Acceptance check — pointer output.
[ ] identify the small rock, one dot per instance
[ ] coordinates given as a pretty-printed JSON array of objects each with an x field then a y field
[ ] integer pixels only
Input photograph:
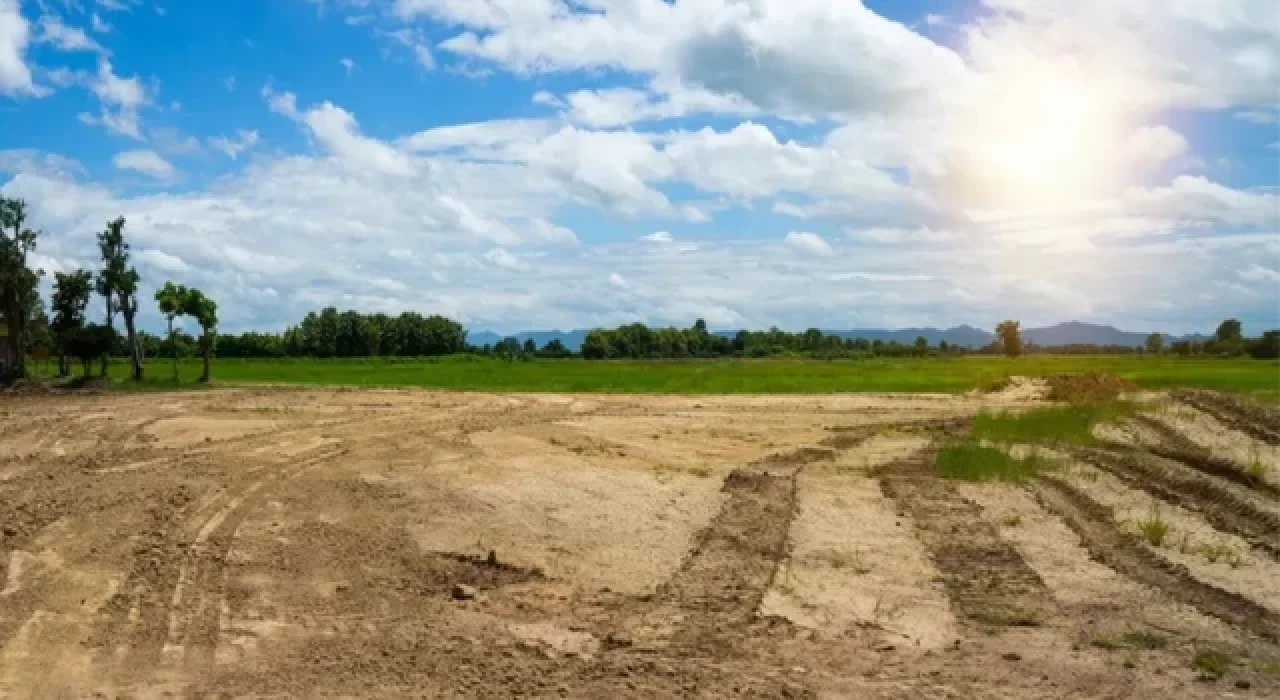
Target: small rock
[
  {"x": 10, "y": 531},
  {"x": 1242, "y": 684},
  {"x": 884, "y": 647},
  {"x": 1129, "y": 664},
  {"x": 492, "y": 559},
  {"x": 462, "y": 591},
  {"x": 1012, "y": 656}
]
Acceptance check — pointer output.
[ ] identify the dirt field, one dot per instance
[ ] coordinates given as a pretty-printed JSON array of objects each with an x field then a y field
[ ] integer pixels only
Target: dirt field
[{"x": 291, "y": 543}]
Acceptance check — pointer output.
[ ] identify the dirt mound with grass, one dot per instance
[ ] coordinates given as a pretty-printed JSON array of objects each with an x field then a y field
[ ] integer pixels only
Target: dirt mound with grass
[{"x": 1089, "y": 387}]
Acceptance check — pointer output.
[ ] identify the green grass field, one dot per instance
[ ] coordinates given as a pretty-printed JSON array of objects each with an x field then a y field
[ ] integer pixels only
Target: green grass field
[{"x": 1260, "y": 378}]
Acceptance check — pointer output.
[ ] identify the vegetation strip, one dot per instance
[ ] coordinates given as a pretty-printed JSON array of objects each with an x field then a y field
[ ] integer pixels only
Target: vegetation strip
[
  {"x": 1124, "y": 553},
  {"x": 1175, "y": 483},
  {"x": 985, "y": 576}
]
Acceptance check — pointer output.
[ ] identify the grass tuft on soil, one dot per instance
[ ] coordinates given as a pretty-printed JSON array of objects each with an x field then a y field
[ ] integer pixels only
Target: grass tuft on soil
[
  {"x": 1056, "y": 424},
  {"x": 1211, "y": 665},
  {"x": 972, "y": 462}
]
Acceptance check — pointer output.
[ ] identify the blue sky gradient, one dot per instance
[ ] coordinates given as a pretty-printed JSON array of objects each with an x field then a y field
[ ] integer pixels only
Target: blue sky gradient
[{"x": 526, "y": 164}]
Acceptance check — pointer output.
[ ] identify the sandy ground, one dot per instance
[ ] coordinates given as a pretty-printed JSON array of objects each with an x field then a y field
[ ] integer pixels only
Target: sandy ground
[{"x": 328, "y": 543}]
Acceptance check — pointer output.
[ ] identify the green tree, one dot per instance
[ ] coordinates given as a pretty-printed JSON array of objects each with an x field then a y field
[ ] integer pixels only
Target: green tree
[
  {"x": 1009, "y": 336},
  {"x": 555, "y": 348},
  {"x": 1229, "y": 331},
  {"x": 1266, "y": 347},
  {"x": 89, "y": 343},
  {"x": 18, "y": 283},
  {"x": 172, "y": 300},
  {"x": 118, "y": 279},
  {"x": 1155, "y": 343},
  {"x": 205, "y": 311},
  {"x": 530, "y": 347},
  {"x": 922, "y": 345},
  {"x": 71, "y": 292}
]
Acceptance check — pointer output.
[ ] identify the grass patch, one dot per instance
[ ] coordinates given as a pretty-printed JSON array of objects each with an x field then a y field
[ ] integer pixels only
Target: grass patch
[
  {"x": 1211, "y": 665},
  {"x": 1055, "y": 424},
  {"x": 1133, "y": 639},
  {"x": 971, "y": 462}
]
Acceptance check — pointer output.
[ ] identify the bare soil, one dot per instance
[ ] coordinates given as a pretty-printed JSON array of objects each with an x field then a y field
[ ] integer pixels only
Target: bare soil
[{"x": 329, "y": 543}]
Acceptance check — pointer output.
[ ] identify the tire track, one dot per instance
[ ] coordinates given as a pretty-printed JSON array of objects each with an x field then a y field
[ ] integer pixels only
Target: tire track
[
  {"x": 1124, "y": 553},
  {"x": 194, "y": 611},
  {"x": 1254, "y": 420},
  {"x": 985, "y": 577},
  {"x": 1175, "y": 483},
  {"x": 1177, "y": 447}
]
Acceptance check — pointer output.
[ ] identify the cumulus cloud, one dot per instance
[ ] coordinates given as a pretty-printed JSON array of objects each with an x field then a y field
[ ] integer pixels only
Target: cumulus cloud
[
  {"x": 809, "y": 243},
  {"x": 15, "y": 34},
  {"x": 121, "y": 100},
  {"x": 145, "y": 162}
]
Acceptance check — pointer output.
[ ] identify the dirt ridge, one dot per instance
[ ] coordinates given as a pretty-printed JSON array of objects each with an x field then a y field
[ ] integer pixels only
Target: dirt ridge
[{"x": 1124, "y": 553}]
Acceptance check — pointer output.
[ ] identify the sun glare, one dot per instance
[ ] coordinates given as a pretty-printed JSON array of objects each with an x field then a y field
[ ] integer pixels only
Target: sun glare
[{"x": 1040, "y": 141}]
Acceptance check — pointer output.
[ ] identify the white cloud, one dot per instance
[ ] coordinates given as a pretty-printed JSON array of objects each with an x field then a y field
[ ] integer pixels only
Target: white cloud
[
  {"x": 145, "y": 162},
  {"x": 348, "y": 65},
  {"x": 171, "y": 141},
  {"x": 1258, "y": 273},
  {"x": 617, "y": 281},
  {"x": 99, "y": 26},
  {"x": 660, "y": 237},
  {"x": 162, "y": 261},
  {"x": 121, "y": 99},
  {"x": 507, "y": 261},
  {"x": 64, "y": 38},
  {"x": 934, "y": 20},
  {"x": 15, "y": 75},
  {"x": 232, "y": 146},
  {"x": 809, "y": 243}
]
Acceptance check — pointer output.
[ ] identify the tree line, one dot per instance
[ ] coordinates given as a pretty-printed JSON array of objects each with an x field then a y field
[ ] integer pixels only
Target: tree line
[{"x": 65, "y": 329}]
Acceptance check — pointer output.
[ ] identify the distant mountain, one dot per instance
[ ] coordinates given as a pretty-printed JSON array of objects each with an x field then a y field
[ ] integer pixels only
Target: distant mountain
[
  {"x": 1069, "y": 333},
  {"x": 571, "y": 339}
]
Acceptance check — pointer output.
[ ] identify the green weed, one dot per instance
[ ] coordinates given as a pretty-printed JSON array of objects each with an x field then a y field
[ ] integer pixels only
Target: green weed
[
  {"x": 1211, "y": 665},
  {"x": 972, "y": 462},
  {"x": 1133, "y": 639},
  {"x": 1154, "y": 528}
]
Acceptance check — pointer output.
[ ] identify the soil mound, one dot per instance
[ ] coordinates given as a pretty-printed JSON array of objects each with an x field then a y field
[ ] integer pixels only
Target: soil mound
[{"x": 1092, "y": 386}]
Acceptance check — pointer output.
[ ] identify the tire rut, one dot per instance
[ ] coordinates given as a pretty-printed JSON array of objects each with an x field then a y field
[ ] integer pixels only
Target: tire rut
[
  {"x": 1254, "y": 420},
  {"x": 1125, "y": 554},
  {"x": 1175, "y": 483},
  {"x": 1176, "y": 446},
  {"x": 985, "y": 577}
]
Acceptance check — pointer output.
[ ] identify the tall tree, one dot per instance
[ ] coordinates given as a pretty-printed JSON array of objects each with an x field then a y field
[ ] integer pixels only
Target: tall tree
[
  {"x": 1009, "y": 334},
  {"x": 121, "y": 279},
  {"x": 18, "y": 290},
  {"x": 172, "y": 300},
  {"x": 71, "y": 292},
  {"x": 1229, "y": 331},
  {"x": 1155, "y": 343},
  {"x": 205, "y": 311},
  {"x": 104, "y": 290}
]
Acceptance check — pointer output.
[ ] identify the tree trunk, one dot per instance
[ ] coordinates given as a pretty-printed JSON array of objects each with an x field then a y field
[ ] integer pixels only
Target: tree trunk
[
  {"x": 135, "y": 346},
  {"x": 207, "y": 353},
  {"x": 173, "y": 349},
  {"x": 16, "y": 327}
]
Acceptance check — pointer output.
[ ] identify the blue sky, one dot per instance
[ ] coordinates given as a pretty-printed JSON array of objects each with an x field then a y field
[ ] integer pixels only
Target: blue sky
[{"x": 525, "y": 164}]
